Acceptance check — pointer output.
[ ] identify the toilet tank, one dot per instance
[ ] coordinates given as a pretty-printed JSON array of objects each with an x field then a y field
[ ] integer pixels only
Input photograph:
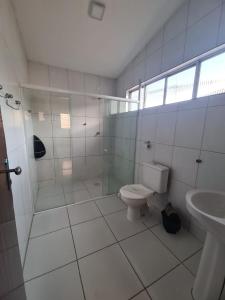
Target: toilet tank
[{"x": 155, "y": 177}]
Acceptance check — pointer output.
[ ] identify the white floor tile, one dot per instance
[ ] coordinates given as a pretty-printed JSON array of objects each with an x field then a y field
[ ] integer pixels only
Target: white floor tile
[
  {"x": 49, "y": 221},
  {"x": 48, "y": 252},
  {"x": 193, "y": 262},
  {"x": 142, "y": 296},
  {"x": 83, "y": 212},
  {"x": 63, "y": 283},
  {"x": 49, "y": 202},
  {"x": 107, "y": 275},
  {"x": 73, "y": 186},
  {"x": 176, "y": 285},
  {"x": 110, "y": 204},
  {"x": 151, "y": 218},
  {"x": 121, "y": 227},
  {"x": 50, "y": 190},
  {"x": 148, "y": 256},
  {"x": 77, "y": 196},
  {"x": 183, "y": 244},
  {"x": 91, "y": 236}
]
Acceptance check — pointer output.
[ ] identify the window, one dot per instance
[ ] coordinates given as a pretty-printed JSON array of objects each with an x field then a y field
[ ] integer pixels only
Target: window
[
  {"x": 133, "y": 95},
  {"x": 154, "y": 93},
  {"x": 212, "y": 76},
  {"x": 180, "y": 86},
  {"x": 113, "y": 107},
  {"x": 203, "y": 77}
]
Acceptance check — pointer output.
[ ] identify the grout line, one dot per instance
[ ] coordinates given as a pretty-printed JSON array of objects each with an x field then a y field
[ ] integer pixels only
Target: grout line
[
  {"x": 28, "y": 241},
  {"x": 122, "y": 250},
  {"x": 76, "y": 255},
  {"x": 50, "y": 271},
  {"x": 53, "y": 231}
]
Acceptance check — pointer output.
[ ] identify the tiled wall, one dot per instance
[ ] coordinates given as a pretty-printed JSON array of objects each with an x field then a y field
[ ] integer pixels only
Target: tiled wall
[
  {"x": 13, "y": 70},
  {"x": 181, "y": 133},
  {"x": 76, "y": 151},
  {"x": 197, "y": 26}
]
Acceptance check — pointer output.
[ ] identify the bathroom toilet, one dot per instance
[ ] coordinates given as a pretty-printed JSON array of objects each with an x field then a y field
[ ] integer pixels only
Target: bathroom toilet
[{"x": 155, "y": 178}]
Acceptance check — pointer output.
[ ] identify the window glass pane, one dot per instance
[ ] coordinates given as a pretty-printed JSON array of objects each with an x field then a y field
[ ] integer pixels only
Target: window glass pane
[
  {"x": 154, "y": 93},
  {"x": 212, "y": 76},
  {"x": 123, "y": 107},
  {"x": 113, "y": 107},
  {"x": 180, "y": 86},
  {"x": 134, "y": 96}
]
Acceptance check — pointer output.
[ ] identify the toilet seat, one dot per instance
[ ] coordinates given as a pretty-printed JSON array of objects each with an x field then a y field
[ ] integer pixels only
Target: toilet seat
[{"x": 135, "y": 192}]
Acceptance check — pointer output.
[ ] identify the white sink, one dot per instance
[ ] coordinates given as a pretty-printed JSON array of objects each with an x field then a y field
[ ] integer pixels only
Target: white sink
[{"x": 208, "y": 207}]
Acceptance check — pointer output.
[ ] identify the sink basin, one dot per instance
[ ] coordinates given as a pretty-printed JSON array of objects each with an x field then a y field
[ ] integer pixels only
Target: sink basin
[{"x": 208, "y": 207}]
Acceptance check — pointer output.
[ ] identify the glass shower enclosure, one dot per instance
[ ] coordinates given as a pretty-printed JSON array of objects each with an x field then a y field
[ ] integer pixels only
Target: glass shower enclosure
[{"x": 89, "y": 142}]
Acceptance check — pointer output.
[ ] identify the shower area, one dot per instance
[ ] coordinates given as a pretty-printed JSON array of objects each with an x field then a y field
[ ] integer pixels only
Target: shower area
[{"x": 89, "y": 142}]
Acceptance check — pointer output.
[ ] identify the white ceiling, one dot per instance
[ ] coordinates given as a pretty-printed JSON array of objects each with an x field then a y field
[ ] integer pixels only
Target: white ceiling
[{"x": 60, "y": 32}]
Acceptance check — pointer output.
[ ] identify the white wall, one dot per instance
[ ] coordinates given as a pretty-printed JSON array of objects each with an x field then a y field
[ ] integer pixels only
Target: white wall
[
  {"x": 181, "y": 133},
  {"x": 197, "y": 26},
  {"x": 13, "y": 70},
  {"x": 77, "y": 147}
]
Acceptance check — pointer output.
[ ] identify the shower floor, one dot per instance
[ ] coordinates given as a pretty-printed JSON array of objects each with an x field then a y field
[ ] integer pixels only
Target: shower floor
[
  {"x": 53, "y": 194},
  {"x": 90, "y": 251}
]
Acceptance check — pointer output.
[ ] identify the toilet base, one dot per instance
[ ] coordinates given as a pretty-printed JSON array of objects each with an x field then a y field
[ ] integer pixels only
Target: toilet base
[{"x": 133, "y": 213}]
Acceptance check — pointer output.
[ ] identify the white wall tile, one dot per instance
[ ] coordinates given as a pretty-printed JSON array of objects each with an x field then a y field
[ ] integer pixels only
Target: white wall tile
[
  {"x": 63, "y": 167},
  {"x": 58, "y": 78},
  {"x": 76, "y": 81},
  {"x": 173, "y": 52},
  {"x": 176, "y": 23},
  {"x": 148, "y": 128},
  {"x": 42, "y": 124},
  {"x": 78, "y": 127},
  {"x": 48, "y": 147},
  {"x": 221, "y": 37},
  {"x": 78, "y": 106},
  {"x": 153, "y": 64},
  {"x": 211, "y": 171},
  {"x": 200, "y": 8},
  {"x": 38, "y": 74},
  {"x": 189, "y": 128},
  {"x": 197, "y": 41},
  {"x": 45, "y": 169},
  {"x": 184, "y": 166},
  {"x": 177, "y": 194},
  {"x": 163, "y": 154},
  {"x": 166, "y": 128},
  {"x": 60, "y": 105},
  {"x": 155, "y": 43},
  {"x": 62, "y": 147},
  {"x": 92, "y": 83},
  {"x": 78, "y": 147},
  {"x": 92, "y": 107},
  {"x": 214, "y": 139},
  {"x": 92, "y": 126},
  {"x": 93, "y": 146},
  {"x": 40, "y": 103},
  {"x": 61, "y": 125}
]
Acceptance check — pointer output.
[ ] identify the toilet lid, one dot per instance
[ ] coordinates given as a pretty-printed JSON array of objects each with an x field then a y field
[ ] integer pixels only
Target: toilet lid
[{"x": 135, "y": 191}]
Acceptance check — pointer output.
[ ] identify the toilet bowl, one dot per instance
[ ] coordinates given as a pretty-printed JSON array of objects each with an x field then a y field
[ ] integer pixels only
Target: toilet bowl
[
  {"x": 155, "y": 178},
  {"x": 135, "y": 196}
]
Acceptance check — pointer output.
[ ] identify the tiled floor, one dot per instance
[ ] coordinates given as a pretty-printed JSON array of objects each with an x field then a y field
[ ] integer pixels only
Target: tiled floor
[
  {"x": 55, "y": 194},
  {"x": 91, "y": 251}
]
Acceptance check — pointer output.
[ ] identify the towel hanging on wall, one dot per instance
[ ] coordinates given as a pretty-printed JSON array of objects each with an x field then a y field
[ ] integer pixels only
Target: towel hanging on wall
[{"x": 39, "y": 148}]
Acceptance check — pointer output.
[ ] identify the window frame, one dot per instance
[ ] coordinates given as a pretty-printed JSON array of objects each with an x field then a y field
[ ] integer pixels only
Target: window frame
[{"x": 195, "y": 62}]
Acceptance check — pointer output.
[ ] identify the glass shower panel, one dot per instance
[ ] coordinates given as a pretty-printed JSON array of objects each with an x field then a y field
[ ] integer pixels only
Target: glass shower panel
[{"x": 90, "y": 148}]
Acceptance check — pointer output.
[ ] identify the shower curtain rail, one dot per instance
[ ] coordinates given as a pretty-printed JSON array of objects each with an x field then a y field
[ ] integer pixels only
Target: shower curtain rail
[{"x": 69, "y": 92}]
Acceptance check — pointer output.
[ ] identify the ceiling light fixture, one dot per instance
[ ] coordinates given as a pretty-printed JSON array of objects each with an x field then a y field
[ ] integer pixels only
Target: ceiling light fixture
[{"x": 96, "y": 10}]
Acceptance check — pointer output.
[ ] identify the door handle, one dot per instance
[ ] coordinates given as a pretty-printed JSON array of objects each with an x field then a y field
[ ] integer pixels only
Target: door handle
[{"x": 17, "y": 171}]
